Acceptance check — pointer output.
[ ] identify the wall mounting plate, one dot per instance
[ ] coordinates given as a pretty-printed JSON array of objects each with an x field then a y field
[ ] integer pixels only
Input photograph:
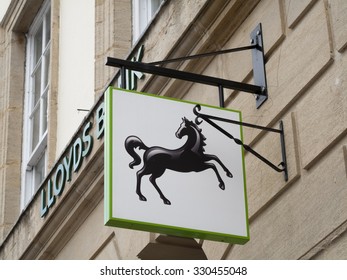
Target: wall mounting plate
[{"x": 258, "y": 59}]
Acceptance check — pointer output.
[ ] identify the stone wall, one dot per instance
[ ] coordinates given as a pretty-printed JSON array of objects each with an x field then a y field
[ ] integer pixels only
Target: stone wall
[
  {"x": 306, "y": 74},
  {"x": 305, "y": 217},
  {"x": 305, "y": 44},
  {"x": 112, "y": 38},
  {"x": 11, "y": 83}
]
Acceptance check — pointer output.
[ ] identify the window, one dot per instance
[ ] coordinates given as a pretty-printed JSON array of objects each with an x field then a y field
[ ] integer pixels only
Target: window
[
  {"x": 35, "y": 104},
  {"x": 143, "y": 12}
]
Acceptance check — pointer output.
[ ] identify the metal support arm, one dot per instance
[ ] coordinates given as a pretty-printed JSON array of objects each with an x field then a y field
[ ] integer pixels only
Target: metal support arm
[
  {"x": 209, "y": 118},
  {"x": 182, "y": 75},
  {"x": 259, "y": 88}
]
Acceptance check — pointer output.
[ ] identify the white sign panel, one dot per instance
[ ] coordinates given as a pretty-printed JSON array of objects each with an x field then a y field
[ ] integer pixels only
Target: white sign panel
[{"x": 165, "y": 173}]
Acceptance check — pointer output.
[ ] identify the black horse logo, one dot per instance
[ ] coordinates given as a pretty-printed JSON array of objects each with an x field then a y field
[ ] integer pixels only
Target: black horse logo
[{"x": 189, "y": 157}]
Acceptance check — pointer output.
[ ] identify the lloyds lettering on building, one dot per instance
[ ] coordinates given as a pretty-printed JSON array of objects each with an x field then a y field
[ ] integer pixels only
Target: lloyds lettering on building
[{"x": 78, "y": 150}]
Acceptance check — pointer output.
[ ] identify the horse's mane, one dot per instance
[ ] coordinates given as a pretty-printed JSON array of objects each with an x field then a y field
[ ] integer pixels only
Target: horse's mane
[{"x": 199, "y": 130}]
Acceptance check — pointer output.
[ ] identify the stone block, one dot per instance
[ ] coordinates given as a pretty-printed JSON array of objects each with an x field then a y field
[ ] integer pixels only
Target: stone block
[
  {"x": 2, "y": 139},
  {"x": 14, "y": 136},
  {"x": 2, "y": 193},
  {"x": 337, "y": 249},
  {"x": 339, "y": 23},
  {"x": 12, "y": 189},
  {"x": 74, "y": 249},
  {"x": 268, "y": 13},
  {"x": 322, "y": 117},
  {"x": 112, "y": 38},
  {"x": 108, "y": 250},
  {"x": 130, "y": 242},
  {"x": 214, "y": 250},
  {"x": 178, "y": 16},
  {"x": 123, "y": 244},
  {"x": 330, "y": 247},
  {"x": 16, "y": 70},
  {"x": 295, "y": 10},
  {"x": 306, "y": 213}
]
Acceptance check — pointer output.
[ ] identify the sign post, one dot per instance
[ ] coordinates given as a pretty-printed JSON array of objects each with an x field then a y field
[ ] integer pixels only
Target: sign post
[{"x": 167, "y": 173}]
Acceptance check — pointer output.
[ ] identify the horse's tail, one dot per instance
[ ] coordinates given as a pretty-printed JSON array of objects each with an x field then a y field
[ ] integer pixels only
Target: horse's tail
[{"x": 131, "y": 143}]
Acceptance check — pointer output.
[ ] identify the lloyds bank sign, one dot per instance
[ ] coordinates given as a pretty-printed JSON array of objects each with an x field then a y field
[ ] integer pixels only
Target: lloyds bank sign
[{"x": 75, "y": 154}]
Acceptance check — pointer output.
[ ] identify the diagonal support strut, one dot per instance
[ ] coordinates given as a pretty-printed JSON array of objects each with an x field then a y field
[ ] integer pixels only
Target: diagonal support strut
[{"x": 209, "y": 118}]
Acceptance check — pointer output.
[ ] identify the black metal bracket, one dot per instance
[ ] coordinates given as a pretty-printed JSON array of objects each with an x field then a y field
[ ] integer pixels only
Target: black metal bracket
[
  {"x": 259, "y": 88},
  {"x": 182, "y": 75},
  {"x": 209, "y": 118},
  {"x": 258, "y": 59}
]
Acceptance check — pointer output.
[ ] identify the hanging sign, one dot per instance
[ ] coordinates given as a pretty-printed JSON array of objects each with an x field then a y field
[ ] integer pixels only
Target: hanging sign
[{"x": 167, "y": 173}]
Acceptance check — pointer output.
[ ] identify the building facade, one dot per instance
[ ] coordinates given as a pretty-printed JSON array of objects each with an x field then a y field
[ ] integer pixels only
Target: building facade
[{"x": 53, "y": 78}]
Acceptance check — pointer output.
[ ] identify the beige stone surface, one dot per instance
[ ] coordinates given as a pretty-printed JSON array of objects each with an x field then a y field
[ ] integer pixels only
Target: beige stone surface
[
  {"x": 293, "y": 67},
  {"x": 339, "y": 23},
  {"x": 11, "y": 82},
  {"x": 331, "y": 246},
  {"x": 295, "y": 10},
  {"x": 85, "y": 240},
  {"x": 112, "y": 38},
  {"x": 178, "y": 16},
  {"x": 322, "y": 113},
  {"x": 238, "y": 66},
  {"x": 214, "y": 250},
  {"x": 108, "y": 252},
  {"x": 337, "y": 250},
  {"x": 301, "y": 216},
  {"x": 103, "y": 242},
  {"x": 54, "y": 89}
]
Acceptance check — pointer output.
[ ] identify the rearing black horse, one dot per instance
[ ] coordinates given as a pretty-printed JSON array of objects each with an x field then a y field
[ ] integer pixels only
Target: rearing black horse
[{"x": 189, "y": 157}]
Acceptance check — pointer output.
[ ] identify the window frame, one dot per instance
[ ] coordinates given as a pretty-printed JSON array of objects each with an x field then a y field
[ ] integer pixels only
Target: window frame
[
  {"x": 36, "y": 104},
  {"x": 143, "y": 12}
]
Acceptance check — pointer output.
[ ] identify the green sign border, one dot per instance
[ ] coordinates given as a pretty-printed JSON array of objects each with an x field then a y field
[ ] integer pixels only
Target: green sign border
[{"x": 151, "y": 227}]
